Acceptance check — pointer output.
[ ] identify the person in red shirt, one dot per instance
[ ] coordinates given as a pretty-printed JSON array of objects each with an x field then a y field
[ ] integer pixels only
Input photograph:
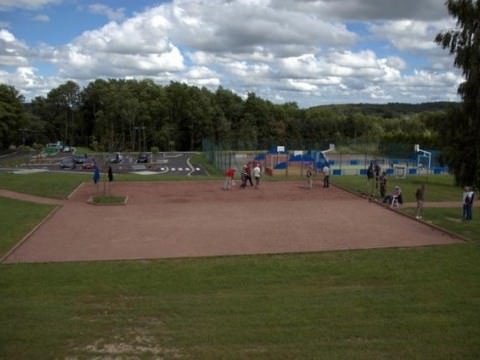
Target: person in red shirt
[{"x": 229, "y": 175}]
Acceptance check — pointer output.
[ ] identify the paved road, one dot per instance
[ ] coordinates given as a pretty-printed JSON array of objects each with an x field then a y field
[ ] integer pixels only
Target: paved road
[{"x": 169, "y": 164}]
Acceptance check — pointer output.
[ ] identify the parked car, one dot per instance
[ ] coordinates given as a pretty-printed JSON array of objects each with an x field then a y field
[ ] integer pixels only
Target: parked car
[
  {"x": 68, "y": 163},
  {"x": 88, "y": 163},
  {"x": 142, "y": 158},
  {"x": 118, "y": 158},
  {"x": 79, "y": 159}
]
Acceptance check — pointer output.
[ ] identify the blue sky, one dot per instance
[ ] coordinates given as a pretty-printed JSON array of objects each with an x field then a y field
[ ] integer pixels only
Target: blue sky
[{"x": 310, "y": 52}]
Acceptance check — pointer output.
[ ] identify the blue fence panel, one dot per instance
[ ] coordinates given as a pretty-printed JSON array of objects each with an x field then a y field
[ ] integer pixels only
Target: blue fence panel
[
  {"x": 412, "y": 171},
  {"x": 439, "y": 170},
  {"x": 337, "y": 172}
]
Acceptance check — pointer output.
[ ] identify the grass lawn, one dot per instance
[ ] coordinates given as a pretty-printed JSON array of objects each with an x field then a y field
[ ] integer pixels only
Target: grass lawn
[
  {"x": 379, "y": 304},
  {"x": 451, "y": 219},
  {"x": 53, "y": 185},
  {"x": 108, "y": 200},
  {"x": 420, "y": 303},
  {"x": 437, "y": 187},
  {"x": 17, "y": 219}
]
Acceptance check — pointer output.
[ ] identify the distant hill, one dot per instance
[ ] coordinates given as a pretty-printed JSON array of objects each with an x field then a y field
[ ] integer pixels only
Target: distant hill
[{"x": 390, "y": 110}]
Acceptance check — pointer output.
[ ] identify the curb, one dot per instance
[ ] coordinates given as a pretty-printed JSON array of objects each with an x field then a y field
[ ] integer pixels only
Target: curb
[
  {"x": 433, "y": 226},
  {"x": 25, "y": 238},
  {"x": 75, "y": 190}
]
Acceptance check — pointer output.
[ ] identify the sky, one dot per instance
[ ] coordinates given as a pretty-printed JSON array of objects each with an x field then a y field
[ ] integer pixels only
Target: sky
[{"x": 311, "y": 52}]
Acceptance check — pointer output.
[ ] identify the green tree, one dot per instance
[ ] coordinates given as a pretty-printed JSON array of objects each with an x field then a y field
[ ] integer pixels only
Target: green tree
[
  {"x": 12, "y": 116},
  {"x": 63, "y": 103},
  {"x": 464, "y": 42}
]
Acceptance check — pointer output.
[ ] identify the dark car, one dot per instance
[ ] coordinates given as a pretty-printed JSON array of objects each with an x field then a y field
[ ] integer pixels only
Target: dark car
[
  {"x": 79, "y": 159},
  {"x": 68, "y": 163},
  {"x": 117, "y": 159},
  {"x": 142, "y": 159}
]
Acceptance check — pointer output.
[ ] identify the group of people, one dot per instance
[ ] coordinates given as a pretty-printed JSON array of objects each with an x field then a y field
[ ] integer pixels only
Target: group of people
[
  {"x": 245, "y": 176},
  {"x": 326, "y": 176},
  {"x": 247, "y": 172},
  {"x": 395, "y": 199},
  {"x": 96, "y": 174}
]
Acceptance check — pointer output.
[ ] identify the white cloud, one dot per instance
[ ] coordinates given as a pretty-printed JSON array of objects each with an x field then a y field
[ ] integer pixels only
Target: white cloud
[
  {"x": 42, "y": 18},
  {"x": 411, "y": 35},
  {"x": 12, "y": 51},
  {"x": 369, "y": 9},
  {"x": 140, "y": 46},
  {"x": 29, "y": 81},
  {"x": 25, "y": 4},
  {"x": 111, "y": 14},
  {"x": 299, "y": 50},
  {"x": 244, "y": 27}
]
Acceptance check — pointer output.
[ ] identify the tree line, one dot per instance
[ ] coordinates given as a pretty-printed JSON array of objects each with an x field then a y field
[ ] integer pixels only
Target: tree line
[{"x": 136, "y": 115}]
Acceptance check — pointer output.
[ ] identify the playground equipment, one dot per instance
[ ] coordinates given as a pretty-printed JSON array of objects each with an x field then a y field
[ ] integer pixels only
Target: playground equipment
[
  {"x": 330, "y": 148},
  {"x": 423, "y": 153}
]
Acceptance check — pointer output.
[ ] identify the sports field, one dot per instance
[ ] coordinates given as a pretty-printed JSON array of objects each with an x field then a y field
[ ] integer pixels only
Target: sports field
[{"x": 196, "y": 219}]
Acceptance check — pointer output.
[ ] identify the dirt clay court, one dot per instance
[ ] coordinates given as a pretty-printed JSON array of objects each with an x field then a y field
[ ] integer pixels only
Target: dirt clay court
[{"x": 191, "y": 218}]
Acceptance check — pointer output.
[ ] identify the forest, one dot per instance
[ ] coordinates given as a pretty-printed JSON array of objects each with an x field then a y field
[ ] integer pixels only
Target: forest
[{"x": 137, "y": 115}]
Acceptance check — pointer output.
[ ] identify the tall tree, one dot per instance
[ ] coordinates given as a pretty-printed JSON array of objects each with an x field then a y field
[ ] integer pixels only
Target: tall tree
[
  {"x": 11, "y": 115},
  {"x": 464, "y": 42},
  {"x": 63, "y": 104}
]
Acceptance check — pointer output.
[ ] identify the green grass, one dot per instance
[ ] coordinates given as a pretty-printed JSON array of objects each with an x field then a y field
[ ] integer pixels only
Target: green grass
[
  {"x": 418, "y": 303},
  {"x": 451, "y": 219},
  {"x": 53, "y": 185},
  {"x": 17, "y": 219},
  {"x": 438, "y": 187},
  {"x": 201, "y": 160},
  {"x": 108, "y": 200},
  {"x": 379, "y": 304}
]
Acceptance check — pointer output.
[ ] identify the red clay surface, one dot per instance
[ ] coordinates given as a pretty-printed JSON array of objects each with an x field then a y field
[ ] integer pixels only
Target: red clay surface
[{"x": 190, "y": 219}]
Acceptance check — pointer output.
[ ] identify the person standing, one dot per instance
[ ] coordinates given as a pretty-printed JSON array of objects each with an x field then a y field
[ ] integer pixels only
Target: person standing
[
  {"x": 377, "y": 171},
  {"x": 309, "y": 175},
  {"x": 326, "y": 176},
  {"x": 468, "y": 197},
  {"x": 243, "y": 177},
  {"x": 96, "y": 176},
  {"x": 256, "y": 174},
  {"x": 420, "y": 197},
  {"x": 248, "y": 171},
  {"x": 110, "y": 174},
  {"x": 229, "y": 174},
  {"x": 370, "y": 176},
  {"x": 383, "y": 185}
]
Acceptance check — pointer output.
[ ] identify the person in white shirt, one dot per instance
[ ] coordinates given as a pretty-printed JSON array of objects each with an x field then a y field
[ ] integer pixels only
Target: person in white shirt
[{"x": 256, "y": 174}]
